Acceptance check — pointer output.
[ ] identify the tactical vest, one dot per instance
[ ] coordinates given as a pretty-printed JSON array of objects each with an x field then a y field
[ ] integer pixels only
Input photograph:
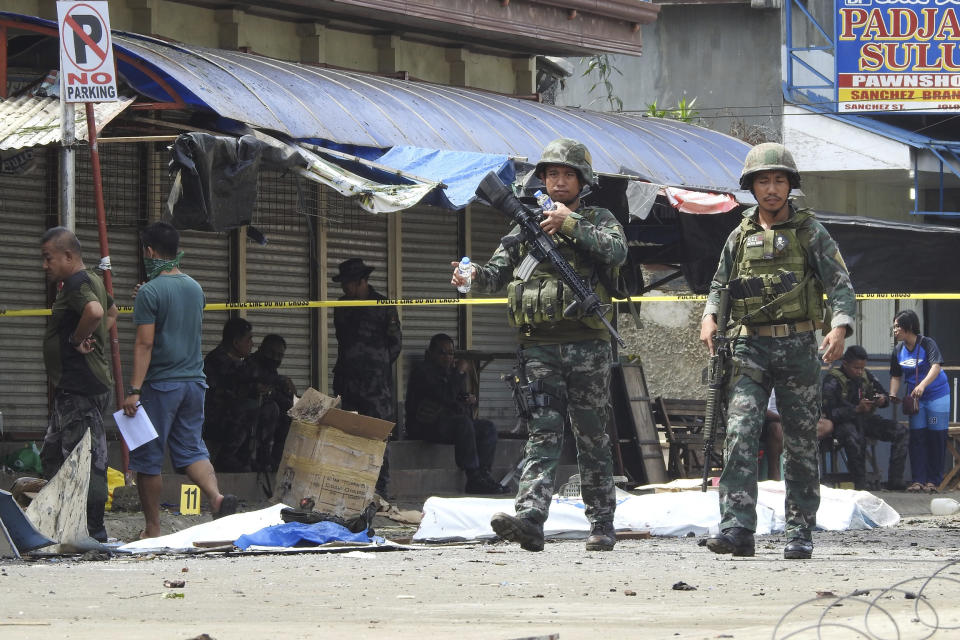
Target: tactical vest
[
  {"x": 844, "y": 381},
  {"x": 543, "y": 297},
  {"x": 773, "y": 262}
]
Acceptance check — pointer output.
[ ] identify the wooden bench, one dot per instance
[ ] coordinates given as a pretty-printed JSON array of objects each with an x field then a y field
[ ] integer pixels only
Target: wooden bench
[
  {"x": 949, "y": 480},
  {"x": 682, "y": 422}
]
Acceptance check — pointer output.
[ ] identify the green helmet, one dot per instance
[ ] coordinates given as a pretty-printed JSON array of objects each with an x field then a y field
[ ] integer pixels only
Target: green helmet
[
  {"x": 769, "y": 156},
  {"x": 569, "y": 153}
]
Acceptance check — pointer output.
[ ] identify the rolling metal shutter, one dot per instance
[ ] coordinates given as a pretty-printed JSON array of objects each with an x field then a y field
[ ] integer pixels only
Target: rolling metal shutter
[
  {"x": 351, "y": 232},
  {"x": 206, "y": 259},
  {"x": 429, "y": 244},
  {"x": 280, "y": 271},
  {"x": 23, "y": 390},
  {"x": 490, "y": 329},
  {"x": 122, "y": 171}
]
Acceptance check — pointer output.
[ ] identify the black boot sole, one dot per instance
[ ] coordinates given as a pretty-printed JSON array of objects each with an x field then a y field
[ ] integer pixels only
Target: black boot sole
[
  {"x": 797, "y": 554},
  {"x": 511, "y": 529},
  {"x": 597, "y": 545}
]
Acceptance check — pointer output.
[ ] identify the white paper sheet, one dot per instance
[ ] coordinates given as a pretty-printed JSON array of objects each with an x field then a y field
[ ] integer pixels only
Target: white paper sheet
[{"x": 137, "y": 430}]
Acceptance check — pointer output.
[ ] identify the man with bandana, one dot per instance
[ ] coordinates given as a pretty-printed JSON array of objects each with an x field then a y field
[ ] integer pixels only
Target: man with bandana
[
  {"x": 75, "y": 353},
  {"x": 168, "y": 380}
]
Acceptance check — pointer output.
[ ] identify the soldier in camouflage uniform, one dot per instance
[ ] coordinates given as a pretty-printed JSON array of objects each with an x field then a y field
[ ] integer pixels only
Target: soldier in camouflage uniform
[
  {"x": 777, "y": 263},
  {"x": 74, "y": 352},
  {"x": 368, "y": 343},
  {"x": 566, "y": 360},
  {"x": 851, "y": 396}
]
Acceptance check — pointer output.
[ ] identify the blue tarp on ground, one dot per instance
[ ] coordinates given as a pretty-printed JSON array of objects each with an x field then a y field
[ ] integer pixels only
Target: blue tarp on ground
[
  {"x": 461, "y": 171},
  {"x": 292, "y": 534}
]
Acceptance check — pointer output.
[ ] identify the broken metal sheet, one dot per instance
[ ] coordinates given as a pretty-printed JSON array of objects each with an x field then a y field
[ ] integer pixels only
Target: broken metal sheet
[{"x": 28, "y": 121}]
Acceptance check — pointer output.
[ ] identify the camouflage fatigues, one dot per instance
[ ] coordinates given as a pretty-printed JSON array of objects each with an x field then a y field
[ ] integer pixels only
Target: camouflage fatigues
[
  {"x": 368, "y": 343},
  {"x": 83, "y": 383},
  {"x": 790, "y": 365},
  {"x": 71, "y": 415},
  {"x": 570, "y": 362},
  {"x": 841, "y": 395},
  {"x": 230, "y": 421}
]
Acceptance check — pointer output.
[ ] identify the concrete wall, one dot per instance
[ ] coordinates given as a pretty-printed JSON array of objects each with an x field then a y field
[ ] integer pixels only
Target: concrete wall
[
  {"x": 727, "y": 57},
  {"x": 669, "y": 347},
  {"x": 314, "y": 43},
  {"x": 859, "y": 195}
]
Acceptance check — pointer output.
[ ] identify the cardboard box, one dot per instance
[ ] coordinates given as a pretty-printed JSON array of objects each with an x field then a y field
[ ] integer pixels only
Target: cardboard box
[{"x": 335, "y": 463}]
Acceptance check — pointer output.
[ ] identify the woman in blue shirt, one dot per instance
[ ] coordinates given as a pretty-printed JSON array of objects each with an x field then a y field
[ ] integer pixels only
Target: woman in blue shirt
[{"x": 917, "y": 360}]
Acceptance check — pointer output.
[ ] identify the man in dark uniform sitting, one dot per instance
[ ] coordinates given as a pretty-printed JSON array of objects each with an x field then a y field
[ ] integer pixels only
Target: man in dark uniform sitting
[{"x": 439, "y": 409}]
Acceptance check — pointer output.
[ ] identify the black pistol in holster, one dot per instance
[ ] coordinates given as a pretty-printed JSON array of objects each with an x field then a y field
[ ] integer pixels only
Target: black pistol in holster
[
  {"x": 718, "y": 377},
  {"x": 543, "y": 247}
]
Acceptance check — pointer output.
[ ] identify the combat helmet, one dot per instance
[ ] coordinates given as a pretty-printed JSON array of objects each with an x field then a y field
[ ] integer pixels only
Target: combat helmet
[
  {"x": 569, "y": 153},
  {"x": 769, "y": 156}
]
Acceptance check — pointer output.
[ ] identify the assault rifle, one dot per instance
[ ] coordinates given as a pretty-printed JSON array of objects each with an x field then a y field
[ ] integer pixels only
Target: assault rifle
[
  {"x": 718, "y": 375},
  {"x": 543, "y": 247}
]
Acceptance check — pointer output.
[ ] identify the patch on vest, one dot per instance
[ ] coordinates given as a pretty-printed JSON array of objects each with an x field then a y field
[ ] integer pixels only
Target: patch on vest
[
  {"x": 780, "y": 243},
  {"x": 756, "y": 240}
]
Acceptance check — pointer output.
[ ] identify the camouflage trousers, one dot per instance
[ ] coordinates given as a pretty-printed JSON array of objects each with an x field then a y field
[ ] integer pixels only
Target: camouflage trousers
[
  {"x": 791, "y": 366},
  {"x": 853, "y": 436},
  {"x": 246, "y": 442},
  {"x": 573, "y": 379},
  {"x": 70, "y": 418}
]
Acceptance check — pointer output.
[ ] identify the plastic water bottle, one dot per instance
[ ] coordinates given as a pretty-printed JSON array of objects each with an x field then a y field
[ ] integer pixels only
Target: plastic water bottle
[
  {"x": 545, "y": 202},
  {"x": 944, "y": 506},
  {"x": 466, "y": 271}
]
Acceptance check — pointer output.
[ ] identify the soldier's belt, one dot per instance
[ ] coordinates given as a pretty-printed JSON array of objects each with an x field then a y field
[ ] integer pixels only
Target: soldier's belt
[{"x": 778, "y": 330}]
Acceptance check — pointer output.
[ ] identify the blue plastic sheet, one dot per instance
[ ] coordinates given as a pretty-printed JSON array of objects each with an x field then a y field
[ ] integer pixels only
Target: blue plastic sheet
[
  {"x": 292, "y": 534},
  {"x": 461, "y": 171}
]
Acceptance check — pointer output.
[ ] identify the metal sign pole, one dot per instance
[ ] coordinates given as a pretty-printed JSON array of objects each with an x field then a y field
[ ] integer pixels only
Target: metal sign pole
[
  {"x": 68, "y": 171},
  {"x": 105, "y": 262}
]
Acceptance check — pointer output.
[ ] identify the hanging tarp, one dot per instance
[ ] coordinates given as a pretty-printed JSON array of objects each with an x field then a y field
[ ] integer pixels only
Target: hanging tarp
[
  {"x": 699, "y": 201},
  {"x": 461, "y": 171},
  {"x": 215, "y": 178}
]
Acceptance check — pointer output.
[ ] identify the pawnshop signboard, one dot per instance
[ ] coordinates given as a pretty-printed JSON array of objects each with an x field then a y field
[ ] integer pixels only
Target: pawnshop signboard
[
  {"x": 87, "y": 69},
  {"x": 897, "y": 55}
]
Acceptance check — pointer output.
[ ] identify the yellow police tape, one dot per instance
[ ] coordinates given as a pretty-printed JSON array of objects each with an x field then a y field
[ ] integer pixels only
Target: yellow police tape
[{"x": 267, "y": 305}]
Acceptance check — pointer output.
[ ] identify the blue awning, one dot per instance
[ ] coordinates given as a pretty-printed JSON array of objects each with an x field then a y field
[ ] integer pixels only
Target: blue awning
[
  {"x": 461, "y": 171},
  {"x": 349, "y": 109}
]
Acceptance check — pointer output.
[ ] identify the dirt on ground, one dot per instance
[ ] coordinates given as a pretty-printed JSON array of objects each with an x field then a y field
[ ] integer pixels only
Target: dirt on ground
[{"x": 905, "y": 582}]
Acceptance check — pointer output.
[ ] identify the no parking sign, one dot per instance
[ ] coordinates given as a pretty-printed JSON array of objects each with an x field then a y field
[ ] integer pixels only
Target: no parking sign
[{"x": 86, "y": 52}]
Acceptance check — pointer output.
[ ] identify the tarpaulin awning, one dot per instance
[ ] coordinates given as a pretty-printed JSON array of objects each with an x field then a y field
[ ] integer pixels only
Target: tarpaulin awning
[
  {"x": 363, "y": 110},
  {"x": 461, "y": 171}
]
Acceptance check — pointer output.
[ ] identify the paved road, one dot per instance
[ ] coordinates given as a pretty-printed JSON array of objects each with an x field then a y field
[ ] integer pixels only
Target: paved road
[{"x": 496, "y": 591}]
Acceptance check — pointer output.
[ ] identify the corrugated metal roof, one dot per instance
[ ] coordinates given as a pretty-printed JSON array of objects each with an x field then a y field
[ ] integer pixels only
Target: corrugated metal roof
[
  {"x": 366, "y": 110},
  {"x": 350, "y": 108},
  {"x": 28, "y": 121}
]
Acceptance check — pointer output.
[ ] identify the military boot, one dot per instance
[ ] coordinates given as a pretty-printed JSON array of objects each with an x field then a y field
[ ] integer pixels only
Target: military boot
[
  {"x": 734, "y": 540},
  {"x": 602, "y": 537},
  {"x": 526, "y": 532},
  {"x": 800, "y": 547}
]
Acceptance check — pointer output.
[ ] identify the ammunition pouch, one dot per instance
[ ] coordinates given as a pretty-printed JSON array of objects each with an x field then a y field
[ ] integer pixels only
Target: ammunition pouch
[{"x": 542, "y": 300}]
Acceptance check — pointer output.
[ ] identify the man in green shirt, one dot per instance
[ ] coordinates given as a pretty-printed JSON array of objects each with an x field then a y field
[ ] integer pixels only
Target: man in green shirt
[
  {"x": 168, "y": 379},
  {"x": 74, "y": 352}
]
